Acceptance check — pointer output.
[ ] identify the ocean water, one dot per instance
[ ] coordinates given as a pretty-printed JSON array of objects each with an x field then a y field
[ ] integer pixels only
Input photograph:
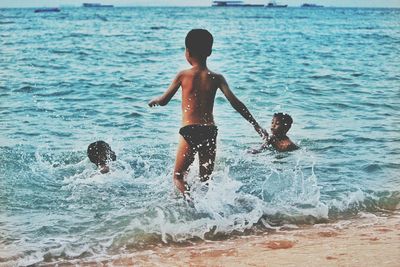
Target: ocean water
[{"x": 70, "y": 78}]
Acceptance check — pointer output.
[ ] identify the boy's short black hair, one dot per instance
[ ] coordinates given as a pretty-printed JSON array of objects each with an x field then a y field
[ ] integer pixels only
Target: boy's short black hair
[
  {"x": 199, "y": 42},
  {"x": 100, "y": 153},
  {"x": 284, "y": 118}
]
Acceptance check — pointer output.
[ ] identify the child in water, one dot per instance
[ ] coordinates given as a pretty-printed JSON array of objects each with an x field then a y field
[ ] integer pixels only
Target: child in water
[
  {"x": 199, "y": 86},
  {"x": 100, "y": 153},
  {"x": 280, "y": 125}
]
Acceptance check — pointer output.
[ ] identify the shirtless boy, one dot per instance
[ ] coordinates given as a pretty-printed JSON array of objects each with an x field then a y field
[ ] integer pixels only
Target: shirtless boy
[
  {"x": 199, "y": 86},
  {"x": 280, "y": 125}
]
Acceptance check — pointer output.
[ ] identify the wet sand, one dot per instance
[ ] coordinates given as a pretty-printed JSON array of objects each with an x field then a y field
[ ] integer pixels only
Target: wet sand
[{"x": 366, "y": 241}]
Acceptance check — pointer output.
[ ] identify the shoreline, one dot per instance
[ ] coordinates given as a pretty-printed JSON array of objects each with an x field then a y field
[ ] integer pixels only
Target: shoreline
[{"x": 369, "y": 240}]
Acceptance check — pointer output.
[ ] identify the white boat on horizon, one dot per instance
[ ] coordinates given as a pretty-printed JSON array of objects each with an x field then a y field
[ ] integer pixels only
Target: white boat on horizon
[
  {"x": 233, "y": 3},
  {"x": 273, "y": 4}
]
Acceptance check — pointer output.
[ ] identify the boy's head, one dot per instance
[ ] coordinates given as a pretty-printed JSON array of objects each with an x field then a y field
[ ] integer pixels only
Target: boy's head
[
  {"x": 199, "y": 43},
  {"x": 281, "y": 123},
  {"x": 100, "y": 153}
]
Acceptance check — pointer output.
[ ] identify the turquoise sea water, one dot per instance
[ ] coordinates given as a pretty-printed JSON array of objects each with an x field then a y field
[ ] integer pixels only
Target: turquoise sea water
[{"x": 70, "y": 78}]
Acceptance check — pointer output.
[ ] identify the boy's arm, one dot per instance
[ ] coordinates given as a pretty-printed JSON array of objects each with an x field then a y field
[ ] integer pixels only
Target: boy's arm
[
  {"x": 259, "y": 150},
  {"x": 166, "y": 97},
  {"x": 240, "y": 107}
]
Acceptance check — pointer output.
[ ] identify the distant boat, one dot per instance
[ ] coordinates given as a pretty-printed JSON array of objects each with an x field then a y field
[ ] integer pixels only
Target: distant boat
[
  {"x": 95, "y": 5},
  {"x": 310, "y": 5},
  {"x": 274, "y": 5},
  {"x": 42, "y": 10},
  {"x": 233, "y": 3}
]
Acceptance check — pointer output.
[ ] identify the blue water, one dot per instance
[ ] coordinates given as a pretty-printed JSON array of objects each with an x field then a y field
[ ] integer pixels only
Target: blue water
[{"x": 70, "y": 78}]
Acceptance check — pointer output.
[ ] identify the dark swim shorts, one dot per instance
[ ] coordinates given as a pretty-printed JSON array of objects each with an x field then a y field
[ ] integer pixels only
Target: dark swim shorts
[{"x": 200, "y": 135}]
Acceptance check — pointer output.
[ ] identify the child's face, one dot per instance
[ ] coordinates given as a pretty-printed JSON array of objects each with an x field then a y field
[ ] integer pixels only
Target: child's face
[{"x": 278, "y": 127}]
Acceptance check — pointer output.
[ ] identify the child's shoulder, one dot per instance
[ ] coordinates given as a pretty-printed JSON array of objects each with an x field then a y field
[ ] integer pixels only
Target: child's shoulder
[
  {"x": 215, "y": 76},
  {"x": 285, "y": 145},
  {"x": 192, "y": 71},
  {"x": 185, "y": 73},
  {"x": 210, "y": 72}
]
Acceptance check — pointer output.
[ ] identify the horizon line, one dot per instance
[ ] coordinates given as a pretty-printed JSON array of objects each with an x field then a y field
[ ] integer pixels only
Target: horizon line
[{"x": 204, "y": 6}]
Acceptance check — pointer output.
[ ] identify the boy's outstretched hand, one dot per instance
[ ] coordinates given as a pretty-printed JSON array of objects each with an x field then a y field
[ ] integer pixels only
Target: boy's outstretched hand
[{"x": 154, "y": 102}]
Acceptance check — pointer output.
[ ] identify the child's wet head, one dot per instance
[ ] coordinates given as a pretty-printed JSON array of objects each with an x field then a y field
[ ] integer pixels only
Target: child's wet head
[
  {"x": 199, "y": 43},
  {"x": 100, "y": 153},
  {"x": 281, "y": 123}
]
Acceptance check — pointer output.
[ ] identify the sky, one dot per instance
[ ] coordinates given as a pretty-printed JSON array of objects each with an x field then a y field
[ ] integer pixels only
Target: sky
[{"x": 57, "y": 3}]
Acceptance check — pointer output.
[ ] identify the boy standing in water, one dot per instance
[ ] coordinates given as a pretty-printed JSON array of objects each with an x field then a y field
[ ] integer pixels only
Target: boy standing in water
[
  {"x": 280, "y": 125},
  {"x": 199, "y": 86}
]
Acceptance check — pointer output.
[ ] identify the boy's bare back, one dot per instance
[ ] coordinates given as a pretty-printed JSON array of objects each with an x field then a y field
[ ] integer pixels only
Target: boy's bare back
[{"x": 199, "y": 87}]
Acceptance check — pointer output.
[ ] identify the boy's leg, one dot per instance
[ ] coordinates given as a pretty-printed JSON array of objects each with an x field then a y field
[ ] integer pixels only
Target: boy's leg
[
  {"x": 184, "y": 157},
  {"x": 207, "y": 160}
]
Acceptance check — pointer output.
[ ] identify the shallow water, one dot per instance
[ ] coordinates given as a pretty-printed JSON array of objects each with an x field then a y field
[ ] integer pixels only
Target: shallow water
[{"x": 70, "y": 78}]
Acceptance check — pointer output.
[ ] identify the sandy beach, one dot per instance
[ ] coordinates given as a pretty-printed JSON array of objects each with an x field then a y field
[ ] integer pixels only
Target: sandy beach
[{"x": 366, "y": 241}]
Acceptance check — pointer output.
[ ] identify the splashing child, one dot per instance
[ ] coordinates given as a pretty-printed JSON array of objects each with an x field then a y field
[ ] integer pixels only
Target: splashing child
[
  {"x": 199, "y": 85},
  {"x": 100, "y": 153},
  {"x": 280, "y": 125}
]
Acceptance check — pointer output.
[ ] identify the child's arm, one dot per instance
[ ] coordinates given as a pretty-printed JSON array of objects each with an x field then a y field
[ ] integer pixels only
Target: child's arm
[
  {"x": 259, "y": 150},
  {"x": 240, "y": 107},
  {"x": 166, "y": 97}
]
